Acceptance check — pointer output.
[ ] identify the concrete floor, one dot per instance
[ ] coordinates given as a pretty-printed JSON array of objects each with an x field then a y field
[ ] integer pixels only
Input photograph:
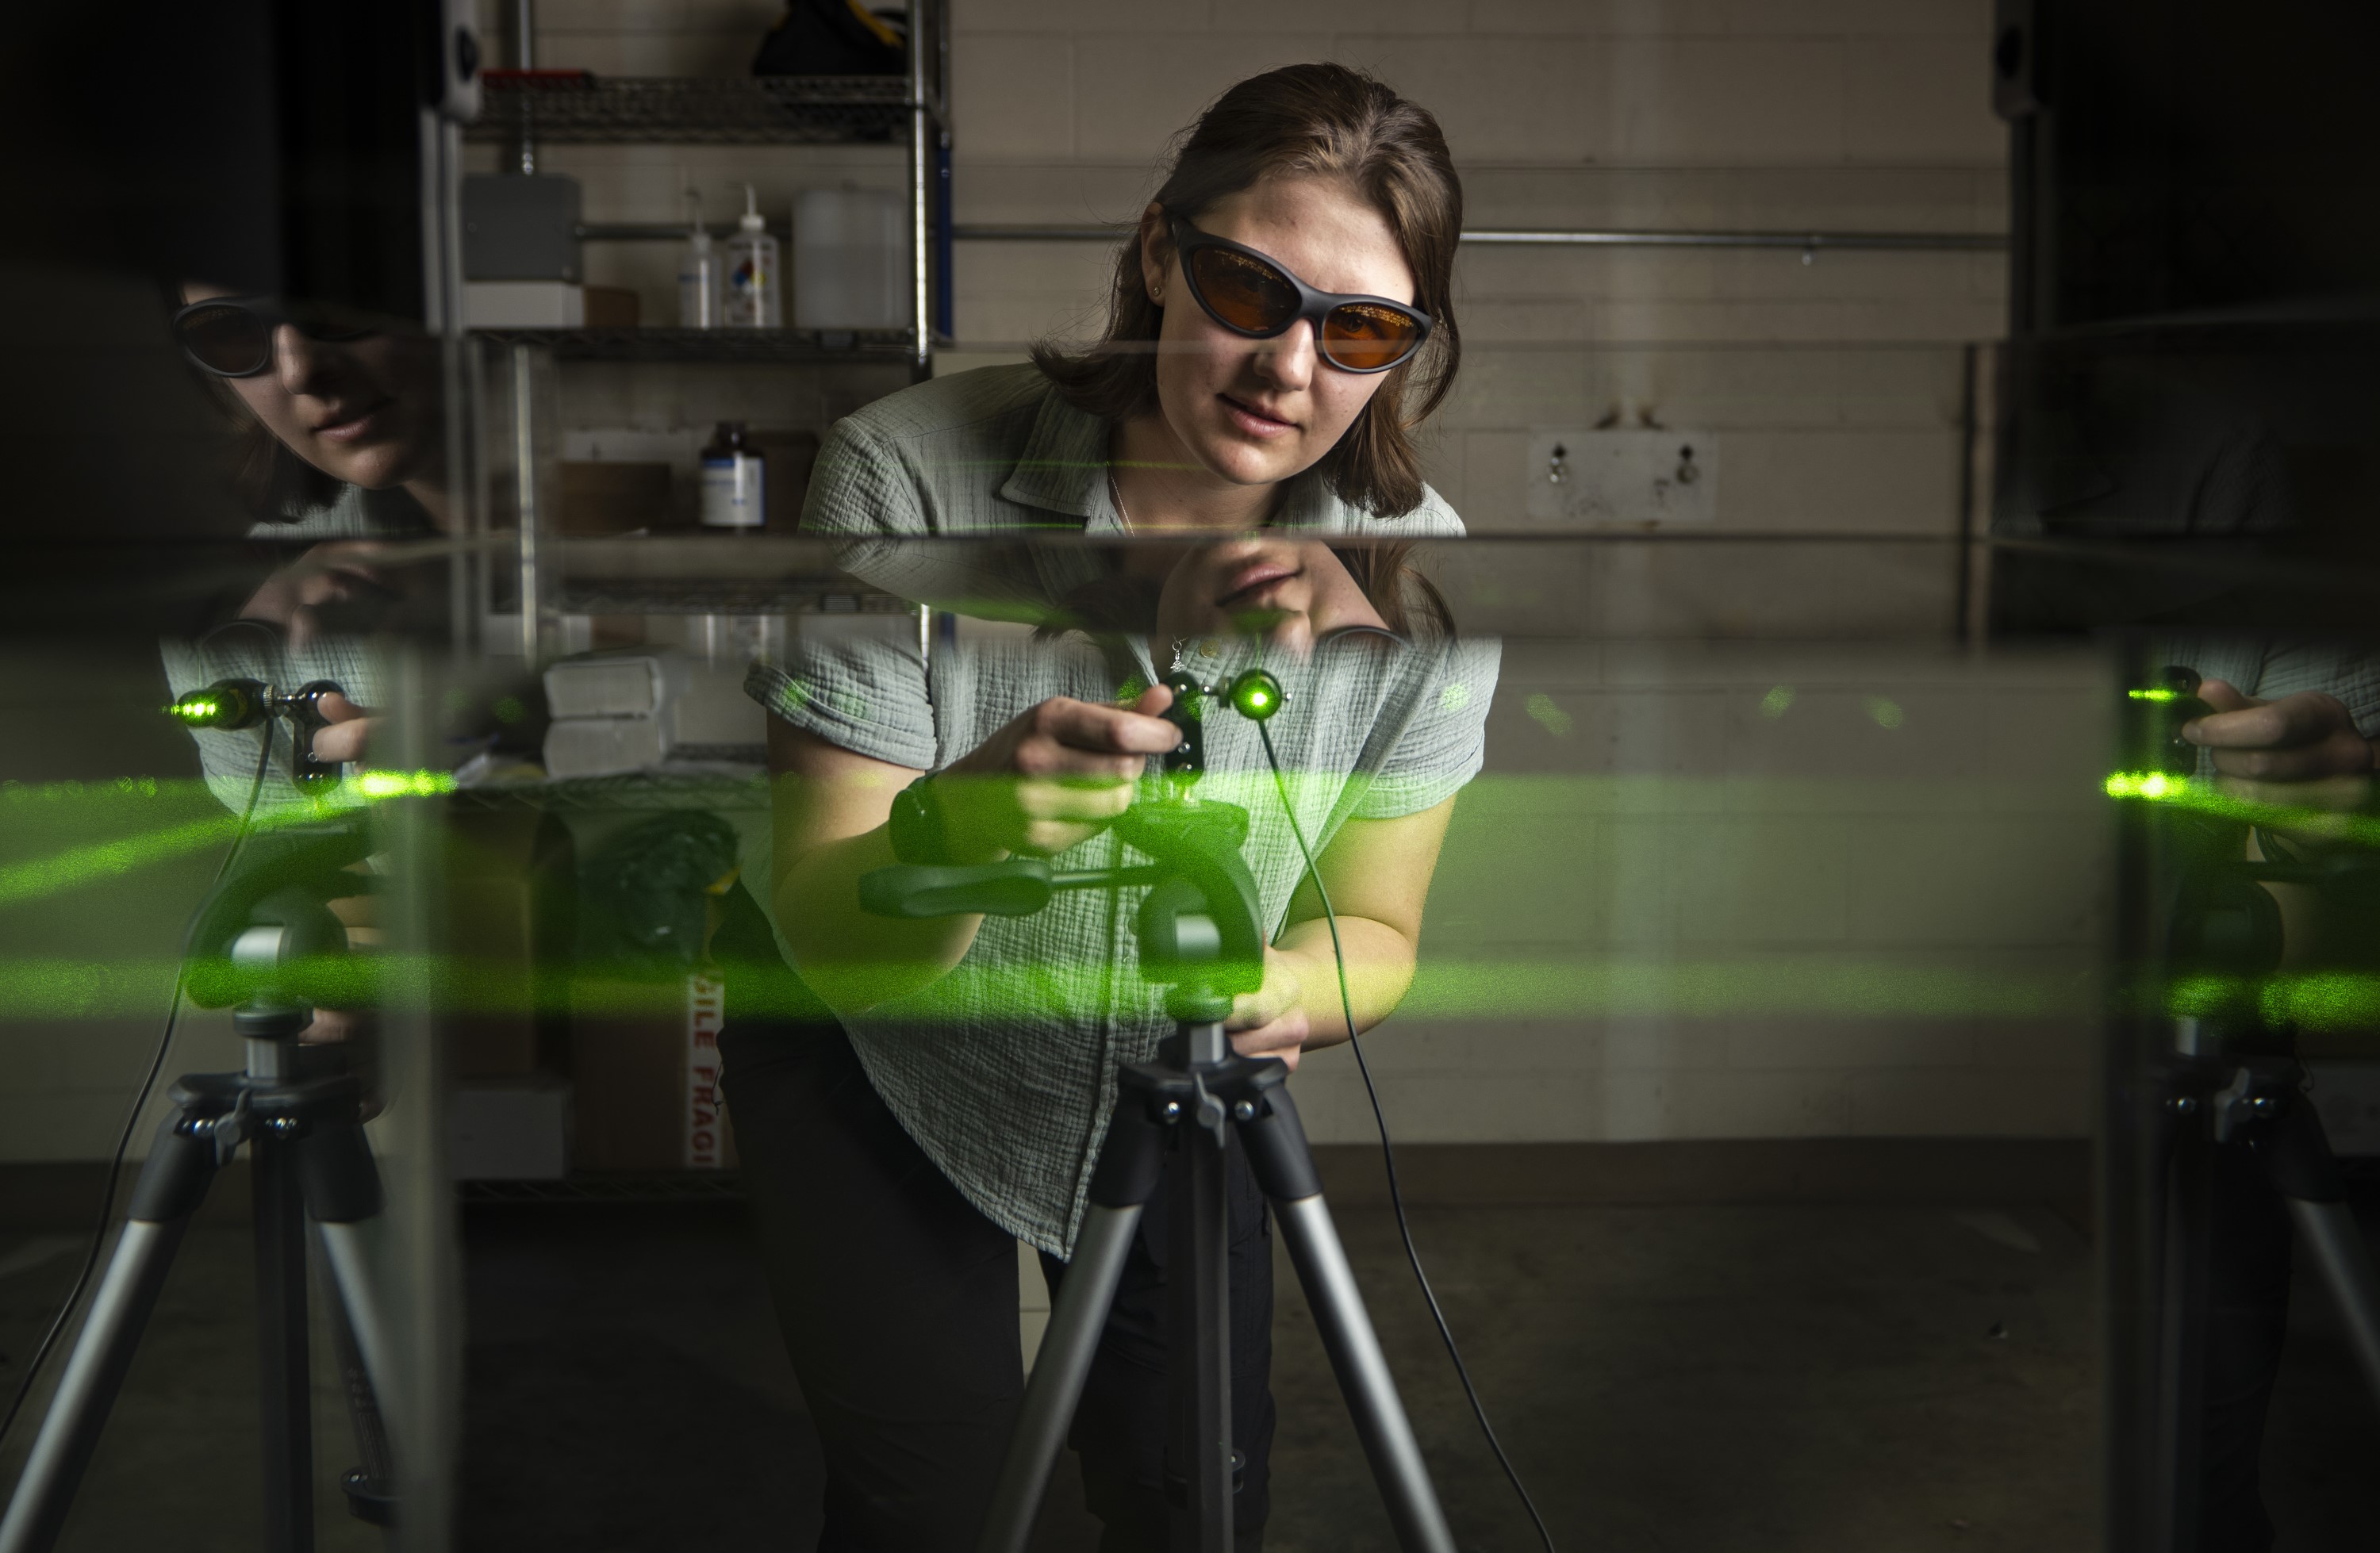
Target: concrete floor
[{"x": 1705, "y": 1378}]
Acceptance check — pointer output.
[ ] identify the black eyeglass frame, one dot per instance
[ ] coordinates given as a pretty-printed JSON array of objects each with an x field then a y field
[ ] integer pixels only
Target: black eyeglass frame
[
  {"x": 1312, "y": 305},
  {"x": 272, "y": 313}
]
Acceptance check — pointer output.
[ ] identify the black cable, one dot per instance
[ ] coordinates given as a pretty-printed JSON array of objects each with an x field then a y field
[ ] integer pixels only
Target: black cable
[
  {"x": 1388, "y": 1154},
  {"x": 132, "y": 1117}
]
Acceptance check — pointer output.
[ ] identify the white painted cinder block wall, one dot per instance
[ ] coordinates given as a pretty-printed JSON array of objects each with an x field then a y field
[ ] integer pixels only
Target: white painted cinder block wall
[
  {"x": 1960, "y": 843},
  {"x": 1673, "y": 825}
]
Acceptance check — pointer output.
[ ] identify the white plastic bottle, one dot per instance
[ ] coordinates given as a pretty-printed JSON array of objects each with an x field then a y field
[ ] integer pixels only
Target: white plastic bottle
[
  {"x": 751, "y": 301},
  {"x": 851, "y": 260},
  {"x": 698, "y": 273}
]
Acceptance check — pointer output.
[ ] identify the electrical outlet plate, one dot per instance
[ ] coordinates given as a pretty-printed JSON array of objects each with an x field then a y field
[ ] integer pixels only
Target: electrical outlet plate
[{"x": 1627, "y": 479}]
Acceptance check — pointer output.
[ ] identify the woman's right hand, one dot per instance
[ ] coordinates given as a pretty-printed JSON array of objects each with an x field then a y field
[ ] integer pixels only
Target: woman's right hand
[
  {"x": 1053, "y": 776},
  {"x": 347, "y": 735}
]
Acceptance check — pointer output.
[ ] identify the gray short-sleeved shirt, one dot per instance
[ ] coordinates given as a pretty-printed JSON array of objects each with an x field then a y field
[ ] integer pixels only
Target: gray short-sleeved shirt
[
  {"x": 2269, "y": 668},
  {"x": 1003, "y": 1070}
]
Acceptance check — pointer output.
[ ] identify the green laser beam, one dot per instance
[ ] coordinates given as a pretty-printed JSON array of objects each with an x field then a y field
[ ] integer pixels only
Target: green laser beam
[
  {"x": 80, "y": 865},
  {"x": 1442, "y": 989},
  {"x": 2204, "y": 798}
]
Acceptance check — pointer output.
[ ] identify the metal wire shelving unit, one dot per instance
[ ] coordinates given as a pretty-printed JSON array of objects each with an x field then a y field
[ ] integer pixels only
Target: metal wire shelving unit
[
  {"x": 768, "y": 346},
  {"x": 577, "y": 108},
  {"x": 611, "y": 1186}
]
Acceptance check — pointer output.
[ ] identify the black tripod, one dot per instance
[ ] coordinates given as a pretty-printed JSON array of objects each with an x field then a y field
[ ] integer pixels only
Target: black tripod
[
  {"x": 299, "y": 1112},
  {"x": 2258, "y": 1102},
  {"x": 2213, "y": 1097},
  {"x": 1200, "y": 933}
]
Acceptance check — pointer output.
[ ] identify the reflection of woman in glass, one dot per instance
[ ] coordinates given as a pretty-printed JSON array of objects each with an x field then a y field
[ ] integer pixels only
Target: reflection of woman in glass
[
  {"x": 336, "y": 405},
  {"x": 1280, "y": 320},
  {"x": 342, "y": 449}
]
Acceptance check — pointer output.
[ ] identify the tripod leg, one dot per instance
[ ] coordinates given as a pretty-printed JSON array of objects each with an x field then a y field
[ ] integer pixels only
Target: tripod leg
[
  {"x": 2346, "y": 1262},
  {"x": 2297, "y": 1159},
  {"x": 343, "y": 1194},
  {"x": 1072, "y": 1338},
  {"x": 285, "y": 1388},
  {"x": 358, "y": 1300},
  {"x": 366, "y": 1485},
  {"x": 1198, "y": 1299},
  {"x": 172, "y": 1184},
  {"x": 1284, "y": 1168},
  {"x": 1129, "y": 1164}
]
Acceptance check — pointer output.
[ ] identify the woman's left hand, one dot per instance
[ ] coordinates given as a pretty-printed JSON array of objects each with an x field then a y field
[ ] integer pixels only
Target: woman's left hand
[
  {"x": 1269, "y": 1021},
  {"x": 1290, "y": 592}
]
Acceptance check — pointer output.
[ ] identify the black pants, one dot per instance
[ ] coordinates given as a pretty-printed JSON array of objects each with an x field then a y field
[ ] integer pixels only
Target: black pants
[{"x": 898, "y": 1303}]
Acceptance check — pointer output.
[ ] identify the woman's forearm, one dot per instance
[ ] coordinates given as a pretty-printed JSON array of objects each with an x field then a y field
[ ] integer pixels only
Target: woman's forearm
[
  {"x": 1379, "y": 968},
  {"x": 852, "y": 958}
]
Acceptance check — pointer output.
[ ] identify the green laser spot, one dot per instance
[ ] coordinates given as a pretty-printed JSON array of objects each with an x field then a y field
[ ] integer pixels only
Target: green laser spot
[
  {"x": 1775, "y": 704},
  {"x": 1549, "y": 717},
  {"x": 1885, "y": 714}
]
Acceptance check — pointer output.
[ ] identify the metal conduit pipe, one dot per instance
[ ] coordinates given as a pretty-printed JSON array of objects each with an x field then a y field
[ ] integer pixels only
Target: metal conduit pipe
[{"x": 1799, "y": 242}]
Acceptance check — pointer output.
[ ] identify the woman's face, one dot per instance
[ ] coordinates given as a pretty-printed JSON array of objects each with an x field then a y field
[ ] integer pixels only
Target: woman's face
[
  {"x": 362, "y": 410},
  {"x": 1256, "y": 411}
]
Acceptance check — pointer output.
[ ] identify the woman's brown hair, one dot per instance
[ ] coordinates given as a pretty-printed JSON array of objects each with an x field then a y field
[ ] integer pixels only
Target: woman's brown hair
[
  {"x": 274, "y": 483},
  {"x": 1324, "y": 121}
]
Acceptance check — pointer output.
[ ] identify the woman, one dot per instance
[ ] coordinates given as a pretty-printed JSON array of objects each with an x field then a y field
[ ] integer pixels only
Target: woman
[
  {"x": 342, "y": 449},
  {"x": 1280, "y": 319}
]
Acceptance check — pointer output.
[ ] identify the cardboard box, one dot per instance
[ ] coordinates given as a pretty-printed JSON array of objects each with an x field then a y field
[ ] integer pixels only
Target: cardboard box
[
  {"x": 598, "y": 499},
  {"x": 523, "y": 304},
  {"x": 509, "y": 929},
  {"x": 611, "y": 306},
  {"x": 509, "y": 1130},
  {"x": 644, "y": 1069},
  {"x": 787, "y": 459}
]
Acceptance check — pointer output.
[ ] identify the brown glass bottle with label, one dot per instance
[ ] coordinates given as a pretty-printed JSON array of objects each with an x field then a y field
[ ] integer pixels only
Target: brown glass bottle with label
[{"x": 734, "y": 482}]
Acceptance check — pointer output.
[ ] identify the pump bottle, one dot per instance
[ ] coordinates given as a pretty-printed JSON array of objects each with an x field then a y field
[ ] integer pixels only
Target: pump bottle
[
  {"x": 697, "y": 271},
  {"x": 751, "y": 301}
]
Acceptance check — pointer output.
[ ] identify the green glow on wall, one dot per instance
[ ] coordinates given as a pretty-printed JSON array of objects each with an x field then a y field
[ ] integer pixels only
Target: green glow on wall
[
  {"x": 1547, "y": 715},
  {"x": 80, "y": 865}
]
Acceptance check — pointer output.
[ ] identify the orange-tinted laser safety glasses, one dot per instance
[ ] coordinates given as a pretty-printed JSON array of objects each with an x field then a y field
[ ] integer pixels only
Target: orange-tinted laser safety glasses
[{"x": 1253, "y": 296}]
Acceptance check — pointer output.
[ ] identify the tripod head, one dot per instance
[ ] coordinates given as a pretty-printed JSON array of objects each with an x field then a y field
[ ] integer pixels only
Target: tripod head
[
  {"x": 233, "y": 704},
  {"x": 1199, "y": 929},
  {"x": 265, "y": 937}
]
